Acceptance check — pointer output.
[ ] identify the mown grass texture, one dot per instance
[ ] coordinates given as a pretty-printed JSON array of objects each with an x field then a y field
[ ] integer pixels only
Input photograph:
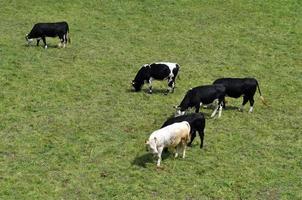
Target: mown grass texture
[{"x": 71, "y": 128}]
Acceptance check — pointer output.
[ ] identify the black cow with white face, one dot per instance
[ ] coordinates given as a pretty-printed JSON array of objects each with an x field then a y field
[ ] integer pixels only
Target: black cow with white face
[
  {"x": 200, "y": 95},
  {"x": 156, "y": 71},
  {"x": 237, "y": 87},
  {"x": 197, "y": 123},
  {"x": 43, "y": 30}
]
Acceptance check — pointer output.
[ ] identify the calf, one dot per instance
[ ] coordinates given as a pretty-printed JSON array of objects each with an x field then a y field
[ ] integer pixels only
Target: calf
[
  {"x": 175, "y": 135},
  {"x": 206, "y": 94},
  {"x": 197, "y": 123},
  {"x": 43, "y": 30},
  {"x": 156, "y": 71},
  {"x": 236, "y": 87}
]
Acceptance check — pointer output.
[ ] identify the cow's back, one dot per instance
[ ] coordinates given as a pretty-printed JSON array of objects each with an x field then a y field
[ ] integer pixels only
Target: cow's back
[
  {"x": 235, "y": 87},
  {"x": 196, "y": 120},
  {"x": 207, "y": 93},
  {"x": 159, "y": 71},
  {"x": 172, "y": 134}
]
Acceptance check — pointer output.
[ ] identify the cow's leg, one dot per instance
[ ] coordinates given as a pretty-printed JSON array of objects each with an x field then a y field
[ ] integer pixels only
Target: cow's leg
[
  {"x": 44, "y": 41},
  {"x": 197, "y": 107},
  {"x": 183, "y": 146},
  {"x": 65, "y": 40},
  {"x": 38, "y": 40},
  {"x": 201, "y": 135},
  {"x": 220, "y": 110},
  {"x": 251, "y": 99},
  {"x": 245, "y": 100},
  {"x": 193, "y": 135},
  {"x": 150, "y": 85},
  {"x": 159, "y": 150},
  {"x": 223, "y": 103},
  {"x": 61, "y": 37},
  {"x": 215, "y": 110},
  {"x": 177, "y": 150},
  {"x": 171, "y": 85}
]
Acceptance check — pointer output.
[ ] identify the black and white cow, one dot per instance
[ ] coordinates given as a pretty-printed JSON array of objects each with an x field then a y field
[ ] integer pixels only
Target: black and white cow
[
  {"x": 198, "y": 96},
  {"x": 197, "y": 122},
  {"x": 156, "y": 71},
  {"x": 43, "y": 30},
  {"x": 236, "y": 87}
]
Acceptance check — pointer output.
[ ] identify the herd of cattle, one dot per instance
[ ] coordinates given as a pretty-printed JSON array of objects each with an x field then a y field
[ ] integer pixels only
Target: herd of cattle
[{"x": 179, "y": 131}]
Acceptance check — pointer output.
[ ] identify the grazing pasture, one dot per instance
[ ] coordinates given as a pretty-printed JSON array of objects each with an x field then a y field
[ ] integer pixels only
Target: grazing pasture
[{"x": 71, "y": 127}]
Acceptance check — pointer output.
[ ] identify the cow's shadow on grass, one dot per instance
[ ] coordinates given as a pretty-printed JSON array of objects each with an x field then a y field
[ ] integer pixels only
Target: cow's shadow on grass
[
  {"x": 231, "y": 108},
  {"x": 142, "y": 160},
  {"x": 52, "y": 46},
  {"x": 156, "y": 91},
  {"x": 146, "y": 91}
]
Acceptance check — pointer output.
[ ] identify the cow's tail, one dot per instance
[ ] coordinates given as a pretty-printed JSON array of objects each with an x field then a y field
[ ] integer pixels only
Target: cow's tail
[
  {"x": 188, "y": 137},
  {"x": 68, "y": 38},
  {"x": 178, "y": 69},
  {"x": 67, "y": 35},
  {"x": 261, "y": 97}
]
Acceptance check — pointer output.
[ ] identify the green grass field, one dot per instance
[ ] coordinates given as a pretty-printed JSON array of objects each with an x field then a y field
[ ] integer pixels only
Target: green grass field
[{"x": 71, "y": 128}]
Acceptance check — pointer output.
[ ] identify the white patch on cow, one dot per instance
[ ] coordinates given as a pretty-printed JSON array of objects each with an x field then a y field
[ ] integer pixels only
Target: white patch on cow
[
  {"x": 170, "y": 65},
  {"x": 64, "y": 45},
  {"x": 179, "y": 113},
  {"x": 29, "y": 41},
  {"x": 251, "y": 109}
]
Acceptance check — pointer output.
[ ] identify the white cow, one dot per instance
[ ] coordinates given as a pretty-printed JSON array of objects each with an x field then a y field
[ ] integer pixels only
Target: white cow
[{"x": 175, "y": 135}]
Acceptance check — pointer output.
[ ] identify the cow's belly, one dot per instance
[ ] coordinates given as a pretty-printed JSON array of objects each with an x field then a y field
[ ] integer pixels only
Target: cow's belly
[
  {"x": 234, "y": 94},
  {"x": 51, "y": 35},
  {"x": 160, "y": 77}
]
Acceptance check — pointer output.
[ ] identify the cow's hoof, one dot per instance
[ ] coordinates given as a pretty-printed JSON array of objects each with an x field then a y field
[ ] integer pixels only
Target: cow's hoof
[{"x": 159, "y": 168}]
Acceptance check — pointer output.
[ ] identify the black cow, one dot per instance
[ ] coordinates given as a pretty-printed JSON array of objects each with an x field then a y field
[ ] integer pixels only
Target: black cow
[
  {"x": 156, "y": 71},
  {"x": 236, "y": 87},
  {"x": 198, "y": 96},
  {"x": 197, "y": 123},
  {"x": 43, "y": 30}
]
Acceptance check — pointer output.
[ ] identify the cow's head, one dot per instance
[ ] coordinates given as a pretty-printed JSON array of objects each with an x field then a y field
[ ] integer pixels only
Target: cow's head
[
  {"x": 137, "y": 85},
  {"x": 29, "y": 40},
  {"x": 140, "y": 78},
  {"x": 151, "y": 145}
]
